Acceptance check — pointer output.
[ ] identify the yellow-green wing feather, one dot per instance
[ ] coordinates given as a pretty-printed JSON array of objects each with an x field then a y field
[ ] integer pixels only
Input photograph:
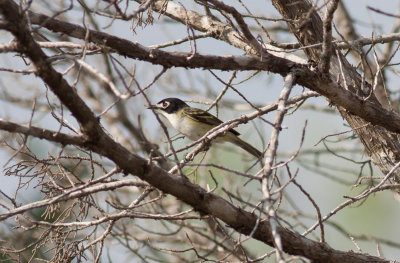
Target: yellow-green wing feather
[
  {"x": 199, "y": 115},
  {"x": 204, "y": 117}
]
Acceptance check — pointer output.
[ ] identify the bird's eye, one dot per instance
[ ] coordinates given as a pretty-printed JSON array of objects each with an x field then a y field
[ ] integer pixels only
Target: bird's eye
[{"x": 165, "y": 104}]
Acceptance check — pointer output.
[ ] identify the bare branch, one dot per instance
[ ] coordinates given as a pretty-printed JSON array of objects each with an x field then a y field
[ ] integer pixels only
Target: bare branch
[
  {"x": 327, "y": 36},
  {"x": 41, "y": 133}
]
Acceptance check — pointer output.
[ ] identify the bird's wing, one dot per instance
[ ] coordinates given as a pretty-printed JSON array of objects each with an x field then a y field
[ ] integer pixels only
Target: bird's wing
[{"x": 204, "y": 117}]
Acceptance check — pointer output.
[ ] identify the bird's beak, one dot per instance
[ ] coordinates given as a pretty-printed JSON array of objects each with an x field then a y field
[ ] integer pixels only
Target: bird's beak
[{"x": 152, "y": 107}]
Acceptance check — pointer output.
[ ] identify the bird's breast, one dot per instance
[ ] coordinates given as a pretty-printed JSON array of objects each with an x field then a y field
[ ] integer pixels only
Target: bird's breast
[{"x": 188, "y": 127}]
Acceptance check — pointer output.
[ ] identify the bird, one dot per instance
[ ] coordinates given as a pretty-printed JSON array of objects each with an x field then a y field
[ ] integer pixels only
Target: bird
[{"x": 194, "y": 123}]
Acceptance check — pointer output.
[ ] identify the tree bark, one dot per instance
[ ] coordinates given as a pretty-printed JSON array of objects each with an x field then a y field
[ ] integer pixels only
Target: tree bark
[{"x": 381, "y": 145}]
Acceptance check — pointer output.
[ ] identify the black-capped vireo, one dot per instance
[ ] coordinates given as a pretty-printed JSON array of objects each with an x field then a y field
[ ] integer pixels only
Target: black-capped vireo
[{"x": 194, "y": 123}]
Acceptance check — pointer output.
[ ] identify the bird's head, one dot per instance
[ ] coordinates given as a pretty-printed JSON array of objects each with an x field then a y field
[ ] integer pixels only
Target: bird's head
[{"x": 169, "y": 105}]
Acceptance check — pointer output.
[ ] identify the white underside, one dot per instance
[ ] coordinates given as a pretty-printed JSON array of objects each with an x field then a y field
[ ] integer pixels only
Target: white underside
[{"x": 186, "y": 127}]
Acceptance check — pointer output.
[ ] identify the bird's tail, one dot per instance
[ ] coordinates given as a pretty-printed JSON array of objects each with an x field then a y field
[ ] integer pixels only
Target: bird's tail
[{"x": 247, "y": 147}]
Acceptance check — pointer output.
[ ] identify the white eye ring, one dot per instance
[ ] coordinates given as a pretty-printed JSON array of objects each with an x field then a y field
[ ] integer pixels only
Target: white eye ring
[{"x": 165, "y": 104}]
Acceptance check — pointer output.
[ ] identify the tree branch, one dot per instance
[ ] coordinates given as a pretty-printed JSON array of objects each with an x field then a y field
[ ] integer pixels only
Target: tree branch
[
  {"x": 41, "y": 133},
  {"x": 327, "y": 37}
]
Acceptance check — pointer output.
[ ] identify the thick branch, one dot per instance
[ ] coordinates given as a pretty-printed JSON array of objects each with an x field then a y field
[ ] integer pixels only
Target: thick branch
[
  {"x": 41, "y": 133},
  {"x": 327, "y": 37},
  {"x": 157, "y": 56}
]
